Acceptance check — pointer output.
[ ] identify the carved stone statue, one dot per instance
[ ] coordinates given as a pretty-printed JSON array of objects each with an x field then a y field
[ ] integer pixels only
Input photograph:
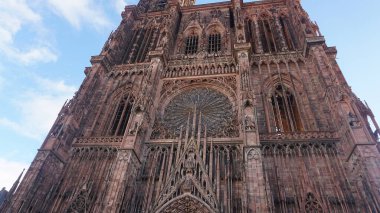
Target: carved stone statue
[
  {"x": 376, "y": 134},
  {"x": 164, "y": 40},
  {"x": 249, "y": 123},
  {"x": 353, "y": 120},
  {"x": 137, "y": 121}
]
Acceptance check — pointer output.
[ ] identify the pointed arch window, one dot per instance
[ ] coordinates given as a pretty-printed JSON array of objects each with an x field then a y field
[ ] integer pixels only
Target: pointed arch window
[
  {"x": 191, "y": 45},
  {"x": 287, "y": 32},
  {"x": 285, "y": 109},
  {"x": 267, "y": 35},
  {"x": 214, "y": 43},
  {"x": 141, "y": 42},
  {"x": 121, "y": 116}
]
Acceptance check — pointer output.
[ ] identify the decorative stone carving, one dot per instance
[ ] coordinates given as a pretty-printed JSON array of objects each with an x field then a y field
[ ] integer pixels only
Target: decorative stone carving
[
  {"x": 216, "y": 13},
  {"x": 249, "y": 123},
  {"x": 298, "y": 148},
  {"x": 253, "y": 154},
  {"x": 199, "y": 67},
  {"x": 353, "y": 120},
  {"x": 129, "y": 69},
  {"x": 79, "y": 205},
  {"x": 108, "y": 141},
  {"x": 185, "y": 175},
  {"x": 137, "y": 120},
  {"x": 227, "y": 83},
  {"x": 216, "y": 112},
  {"x": 298, "y": 136},
  {"x": 163, "y": 41},
  {"x": 312, "y": 204},
  {"x": 124, "y": 156},
  {"x": 376, "y": 135},
  {"x": 280, "y": 57},
  {"x": 215, "y": 162}
]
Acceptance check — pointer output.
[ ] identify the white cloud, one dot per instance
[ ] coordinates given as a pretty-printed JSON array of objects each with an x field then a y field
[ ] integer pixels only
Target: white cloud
[
  {"x": 2, "y": 79},
  {"x": 38, "y": 108},
  {"x": 14, "y": 15},
  {"x": 78, "y": 12},
  {"x": 119, "y": 5},
  {"x": 18, "y": 128},
  {"x": 33, "y": 55},
  {"x": 10, "y": 170},
  {"x": 2, "y": 82},
  {"x": 59, "y": 87}
]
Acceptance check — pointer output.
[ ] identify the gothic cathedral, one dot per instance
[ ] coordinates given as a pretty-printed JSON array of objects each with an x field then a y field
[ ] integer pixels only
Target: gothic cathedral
[{"x": 223, "y": 107}]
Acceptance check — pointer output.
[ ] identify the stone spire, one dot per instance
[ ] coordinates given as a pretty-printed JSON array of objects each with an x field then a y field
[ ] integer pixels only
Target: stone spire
[
  {"x": 189, "y": 179},
  {"x": 5, "y": 196},
  {"x": 15, "y": 184}
]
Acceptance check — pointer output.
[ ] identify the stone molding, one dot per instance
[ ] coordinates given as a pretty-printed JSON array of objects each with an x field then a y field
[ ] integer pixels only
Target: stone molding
[
  {"x": 298, "y": 136},
  {"x": 99, "y": 141}
]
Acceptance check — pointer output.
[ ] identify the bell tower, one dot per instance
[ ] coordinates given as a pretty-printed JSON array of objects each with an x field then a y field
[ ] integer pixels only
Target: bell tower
[{"x": 222, "y": 107}]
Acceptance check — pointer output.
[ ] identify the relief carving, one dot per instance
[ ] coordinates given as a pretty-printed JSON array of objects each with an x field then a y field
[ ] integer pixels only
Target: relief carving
[
  {"x": 353, "y": 120},
  {"x": 249, "y": 123},
  {"x": 216, "y": 111},
  {"x": 253, "y": 154}
]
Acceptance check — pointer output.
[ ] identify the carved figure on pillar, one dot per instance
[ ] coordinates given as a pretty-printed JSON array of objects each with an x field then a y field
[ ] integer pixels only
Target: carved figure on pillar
[
  {"x": 353, "y": 120},
  {"x": 249, "y": 123}
]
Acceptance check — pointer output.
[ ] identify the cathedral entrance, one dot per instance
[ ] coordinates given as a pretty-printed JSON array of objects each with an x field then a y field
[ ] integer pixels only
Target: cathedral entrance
[{"x": 186, "y": 203}]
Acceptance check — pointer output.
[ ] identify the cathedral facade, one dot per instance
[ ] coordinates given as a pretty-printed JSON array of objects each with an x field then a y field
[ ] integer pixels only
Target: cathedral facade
[{"x": 222, "y": 107}]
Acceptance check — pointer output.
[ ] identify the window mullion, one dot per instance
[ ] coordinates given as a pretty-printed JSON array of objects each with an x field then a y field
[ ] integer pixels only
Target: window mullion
[
  {"x": 191, "y": 45},
  {"x": 122, "y": 116},
  {"x": 194, "y": 44},
  {"x": 114, "y": 117}
]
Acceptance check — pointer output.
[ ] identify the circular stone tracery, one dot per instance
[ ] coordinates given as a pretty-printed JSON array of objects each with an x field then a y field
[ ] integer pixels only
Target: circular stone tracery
[{"x": 215, "y": 109}]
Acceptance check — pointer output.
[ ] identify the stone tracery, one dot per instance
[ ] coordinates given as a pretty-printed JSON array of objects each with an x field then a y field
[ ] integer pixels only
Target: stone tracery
[
  {"x": 216, "y": 112},
  {"x": 232, "y": 90}
]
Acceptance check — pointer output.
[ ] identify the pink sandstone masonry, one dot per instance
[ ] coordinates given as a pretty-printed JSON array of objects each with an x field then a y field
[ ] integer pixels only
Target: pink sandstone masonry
[{"x": 222, "y": 107}]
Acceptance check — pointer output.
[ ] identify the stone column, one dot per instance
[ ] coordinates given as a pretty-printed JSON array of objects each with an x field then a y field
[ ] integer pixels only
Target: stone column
[
  {"x": 257, "y": 200},
  {"x": 126, "y": 164},
  {"x": 279, "y": 30},
  {"x": 259, "y": 45}
]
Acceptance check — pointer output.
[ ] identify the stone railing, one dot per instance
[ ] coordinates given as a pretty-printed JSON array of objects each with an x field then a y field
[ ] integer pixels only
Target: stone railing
[
  {"x": 98, "y": 141},
  {"x": 285, "y": 56},
  {"x": 129, "y": 69},
  {"x": 298, "y": 136},
  {"x": 200, "y": 70},
  {"x": 197, "y": 67}
]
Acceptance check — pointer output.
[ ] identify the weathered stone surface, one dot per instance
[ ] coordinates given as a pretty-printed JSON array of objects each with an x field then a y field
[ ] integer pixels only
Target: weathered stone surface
[{"x": 224, "y": 107}]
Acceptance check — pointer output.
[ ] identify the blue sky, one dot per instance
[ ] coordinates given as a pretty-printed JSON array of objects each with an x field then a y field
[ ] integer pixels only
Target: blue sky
[{"x": 46, "y": 44}]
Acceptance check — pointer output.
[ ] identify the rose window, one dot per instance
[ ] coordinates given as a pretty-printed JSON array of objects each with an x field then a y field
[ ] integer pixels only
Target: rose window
[{"x": 214, "y": 108}]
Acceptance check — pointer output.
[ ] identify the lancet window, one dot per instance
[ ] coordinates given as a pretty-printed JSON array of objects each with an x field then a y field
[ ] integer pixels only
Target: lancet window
[
  {"x": 287, "y": 33},
  {"x": 121, "y": 116},
  {"x": 267, "y": 35},
  {"x": 141, "y": 42},
  {"x": 191, "y": 44},
  {"x": 250, "y": 30},
  {"x": 285, "y": 110},
  {"x": 214, "y": 43}
]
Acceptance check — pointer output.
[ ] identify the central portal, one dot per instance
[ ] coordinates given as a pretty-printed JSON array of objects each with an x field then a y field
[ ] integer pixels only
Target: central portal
[{"x": 186, "y": 204}]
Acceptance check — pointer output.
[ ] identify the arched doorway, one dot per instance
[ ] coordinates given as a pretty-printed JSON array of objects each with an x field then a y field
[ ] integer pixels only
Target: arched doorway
[{"x": 185, "y": 203}]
